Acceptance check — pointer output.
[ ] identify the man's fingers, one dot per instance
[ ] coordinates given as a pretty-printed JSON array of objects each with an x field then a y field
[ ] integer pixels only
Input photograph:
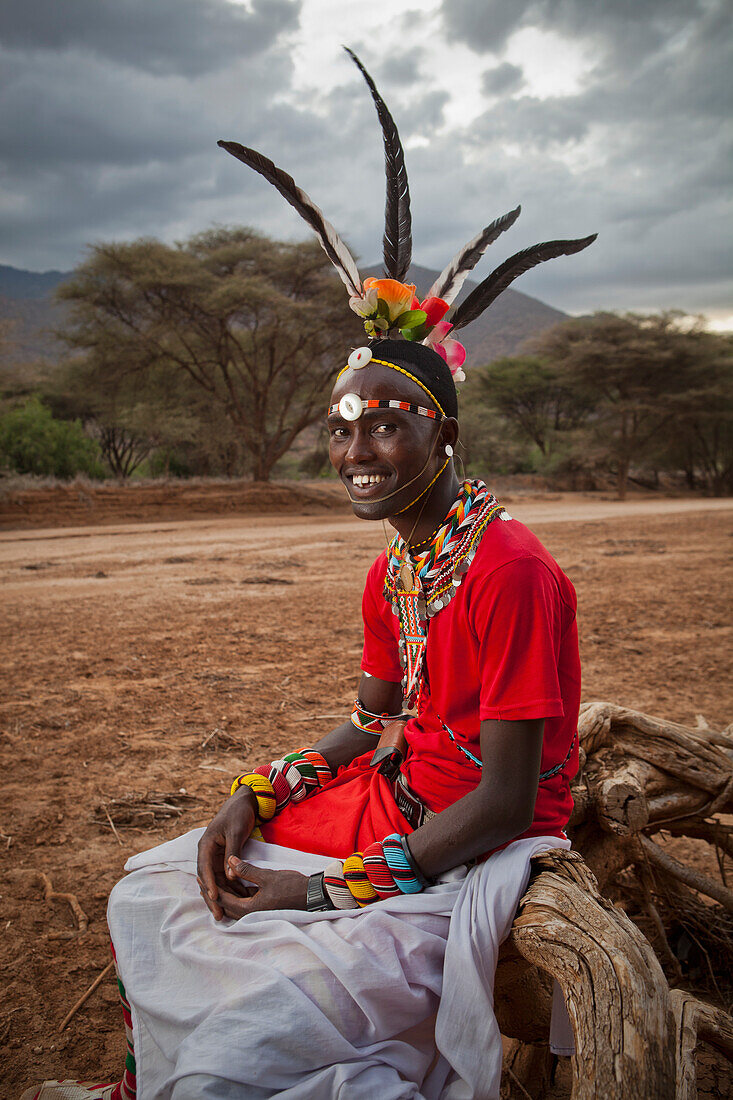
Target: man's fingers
[
  {"x": 213, "y": 906},
  {"x": 234, "y": 844},
  {"x": 234, "y": 906},
  {"x": 205, "y": 865},
  {"x": 247, "y": 870}
]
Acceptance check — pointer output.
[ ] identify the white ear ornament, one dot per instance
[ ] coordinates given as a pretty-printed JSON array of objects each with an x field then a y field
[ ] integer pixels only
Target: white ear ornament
[
  {"x": 448, "y": 451},
  {"x": 359, "y": 358},
  {"x": 351, "y": 406}
]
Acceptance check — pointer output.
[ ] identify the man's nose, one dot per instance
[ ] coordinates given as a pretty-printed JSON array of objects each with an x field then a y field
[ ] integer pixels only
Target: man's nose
[{"x": 360, "y": 448}]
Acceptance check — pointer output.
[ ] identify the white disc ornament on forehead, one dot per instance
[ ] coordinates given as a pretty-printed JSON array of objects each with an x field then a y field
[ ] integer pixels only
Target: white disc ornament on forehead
[
  {"x": 359, "y": 358},
  {"x": 351, "y": 406}
]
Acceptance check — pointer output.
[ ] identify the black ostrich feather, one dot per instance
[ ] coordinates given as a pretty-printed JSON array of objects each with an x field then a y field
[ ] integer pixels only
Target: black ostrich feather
[
  {"x": 492, "y": 286},
  {"x": 331, "y": 242},
  {"x": 452, "y": 278},
  {"x": 397, "y": 241}
]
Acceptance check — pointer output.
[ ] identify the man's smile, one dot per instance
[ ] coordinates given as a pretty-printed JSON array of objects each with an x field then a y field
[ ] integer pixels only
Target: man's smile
[{"x": 366, "y": 484}]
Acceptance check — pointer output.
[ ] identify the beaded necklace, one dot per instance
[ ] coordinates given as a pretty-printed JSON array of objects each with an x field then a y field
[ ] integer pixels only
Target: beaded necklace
[{"x": 418, "y": 586}]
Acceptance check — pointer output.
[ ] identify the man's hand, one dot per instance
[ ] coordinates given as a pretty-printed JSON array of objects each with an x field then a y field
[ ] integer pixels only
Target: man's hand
[
  {"x": 225, "y": 837},
  {"x": 265, "y": 890}
]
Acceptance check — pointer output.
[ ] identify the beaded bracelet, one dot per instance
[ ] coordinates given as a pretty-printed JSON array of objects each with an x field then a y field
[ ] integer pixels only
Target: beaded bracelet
[
  {"x": 291, "y": 779},
  {"x": 369, "y": 722},
  {"x": 263, "y": 792},
  {"x": 399, "y": 865},
  {"x": 357, "y": 880},
  {"x": 386, "y": 869}
]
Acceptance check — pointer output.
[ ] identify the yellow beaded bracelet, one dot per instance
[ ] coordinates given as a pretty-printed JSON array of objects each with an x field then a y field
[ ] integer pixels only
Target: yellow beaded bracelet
[
  {"x": 357, "y": 880},
  {"x": 264, "y": 793}
]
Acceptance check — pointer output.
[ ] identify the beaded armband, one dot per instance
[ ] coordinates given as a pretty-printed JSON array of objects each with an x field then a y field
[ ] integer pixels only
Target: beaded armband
[
  {"x": 369, "y": 722},
  {"x": 385, "y": 869},
  {"x": 295, "y": 777}
]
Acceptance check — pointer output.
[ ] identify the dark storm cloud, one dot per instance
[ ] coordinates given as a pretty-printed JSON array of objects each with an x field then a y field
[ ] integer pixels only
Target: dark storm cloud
[
  {"x": 646, "y": 133},
  {"x": 629, "y": 26},
  {"x": 109, "y": 116},
  {"x": 504, "y": 78},
  {"x": 110, "y": 113},
  {"x": 186, "y": 37}
]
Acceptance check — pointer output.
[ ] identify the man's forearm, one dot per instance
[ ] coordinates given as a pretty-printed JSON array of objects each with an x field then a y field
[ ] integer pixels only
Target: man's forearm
[
  {"x": 499, "y": 809},
  {"x": 468, "y": 828},
  {"x": 344, "y": 744}
]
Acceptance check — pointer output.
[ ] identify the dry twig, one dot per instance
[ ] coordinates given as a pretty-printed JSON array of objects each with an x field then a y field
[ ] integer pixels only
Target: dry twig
[
  {"x": 71, "y": 899},
  {"x": 85, "y": 996}
]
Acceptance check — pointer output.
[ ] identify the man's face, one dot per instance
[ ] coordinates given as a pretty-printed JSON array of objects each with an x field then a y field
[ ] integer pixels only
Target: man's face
[{"x": 386, "y": 457}]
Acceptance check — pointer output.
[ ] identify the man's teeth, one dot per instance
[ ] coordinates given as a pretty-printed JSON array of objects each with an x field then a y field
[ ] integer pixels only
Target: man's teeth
[{"x": 368, "y": 479}]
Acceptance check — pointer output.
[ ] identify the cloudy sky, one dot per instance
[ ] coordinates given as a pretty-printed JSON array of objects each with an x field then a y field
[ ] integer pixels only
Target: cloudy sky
[{"x": 597, "y": 115}]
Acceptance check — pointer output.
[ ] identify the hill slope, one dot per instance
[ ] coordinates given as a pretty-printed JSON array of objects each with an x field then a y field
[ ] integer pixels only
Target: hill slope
[{"x": 26, "y": 297}]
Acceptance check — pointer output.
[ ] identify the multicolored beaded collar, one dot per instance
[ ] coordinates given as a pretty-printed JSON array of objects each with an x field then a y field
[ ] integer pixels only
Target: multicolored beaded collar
[{"x": 418, "y": 587}]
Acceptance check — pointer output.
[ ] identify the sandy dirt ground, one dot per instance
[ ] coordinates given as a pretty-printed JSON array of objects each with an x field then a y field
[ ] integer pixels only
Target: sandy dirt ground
[{"x": 163, "y": 657}]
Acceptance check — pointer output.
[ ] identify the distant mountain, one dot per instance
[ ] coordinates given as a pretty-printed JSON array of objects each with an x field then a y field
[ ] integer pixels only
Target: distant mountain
[
  {"x": 27, "y": 298},
  {"x": 15, "y": 283}
]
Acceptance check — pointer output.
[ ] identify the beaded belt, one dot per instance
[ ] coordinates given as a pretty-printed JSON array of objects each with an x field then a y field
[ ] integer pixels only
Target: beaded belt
[{"x": 410, "y": 806}]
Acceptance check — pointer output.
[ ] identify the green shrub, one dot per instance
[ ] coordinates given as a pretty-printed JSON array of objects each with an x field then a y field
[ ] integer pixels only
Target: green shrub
[{"x": 33, "y": 442}]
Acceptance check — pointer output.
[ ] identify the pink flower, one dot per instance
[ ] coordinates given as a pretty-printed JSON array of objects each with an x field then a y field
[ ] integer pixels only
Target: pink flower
[{"x": 452, "y": 351}]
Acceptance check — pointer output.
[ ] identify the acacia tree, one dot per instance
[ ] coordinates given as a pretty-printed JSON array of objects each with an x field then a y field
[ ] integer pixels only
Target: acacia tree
[
  {"x": 633, "y": 370},
  {"x": 529, "y": 393},
  {"x": 258, "y": 325},
  {"x": 702, "y": 442}
]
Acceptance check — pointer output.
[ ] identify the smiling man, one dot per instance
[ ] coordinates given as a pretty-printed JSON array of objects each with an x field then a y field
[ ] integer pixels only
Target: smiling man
[
  {"x": 338, "y": 922},
  {"x": 321, "y": 938}
]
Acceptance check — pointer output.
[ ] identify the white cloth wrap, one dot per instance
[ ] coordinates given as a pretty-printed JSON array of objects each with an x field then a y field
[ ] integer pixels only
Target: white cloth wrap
[{"x": 306, "y": 1006}]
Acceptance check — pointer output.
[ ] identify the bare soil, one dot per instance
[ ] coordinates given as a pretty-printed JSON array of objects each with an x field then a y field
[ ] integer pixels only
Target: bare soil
[{"x": 157, "y": 658}]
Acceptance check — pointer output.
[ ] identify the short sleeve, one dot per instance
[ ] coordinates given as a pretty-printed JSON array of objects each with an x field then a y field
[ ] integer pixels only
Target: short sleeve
[
  {"x": 519, "y": 619},
  {"x": 381, "y": 655}
]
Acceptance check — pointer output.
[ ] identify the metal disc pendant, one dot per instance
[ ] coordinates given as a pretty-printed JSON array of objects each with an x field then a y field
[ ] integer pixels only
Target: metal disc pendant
[{"x": 407, "y": 577}]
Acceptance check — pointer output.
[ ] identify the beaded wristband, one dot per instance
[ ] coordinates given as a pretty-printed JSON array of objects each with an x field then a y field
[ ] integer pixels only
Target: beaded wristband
[
  {"x": 424, "y": 881},
  {"x": 368, "y": 721},
  {"x": 335, "y": 886},
  {"x": 377, "y": 869},
  {"x": 296, "y": 776},
  {"x": 263, "y": 792},
  {"x": 399, "y": 865},
  {"x": 357, "y": 880}
]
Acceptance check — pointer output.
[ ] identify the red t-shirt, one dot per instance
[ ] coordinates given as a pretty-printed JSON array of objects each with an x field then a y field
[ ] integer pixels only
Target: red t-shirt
[{"x": 505, "y": 647}]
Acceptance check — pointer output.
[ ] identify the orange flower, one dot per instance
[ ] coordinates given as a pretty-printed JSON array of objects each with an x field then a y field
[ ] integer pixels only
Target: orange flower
[{"x": 397, "y": 296}]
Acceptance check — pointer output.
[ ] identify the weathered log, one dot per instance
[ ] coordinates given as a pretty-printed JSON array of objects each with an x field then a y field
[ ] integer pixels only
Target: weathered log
[
  {"x": 638, "y": 776},
  {"x": 522, "y": 997},
  {"x": 621, "y": 801},
  {"x": 615, "y": 991},
  {"x": 688, "y": 753},
  {"x": 694, "y": 1021}
]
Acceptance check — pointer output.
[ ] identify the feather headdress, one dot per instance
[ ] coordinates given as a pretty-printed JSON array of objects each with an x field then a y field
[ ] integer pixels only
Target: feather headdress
[{"x": 389, "y": 305}]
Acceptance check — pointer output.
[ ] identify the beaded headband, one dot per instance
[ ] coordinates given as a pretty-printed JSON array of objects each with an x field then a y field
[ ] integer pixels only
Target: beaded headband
[
  {"x": 389, "y": 304},
  {"x": 351, "y": 406}
]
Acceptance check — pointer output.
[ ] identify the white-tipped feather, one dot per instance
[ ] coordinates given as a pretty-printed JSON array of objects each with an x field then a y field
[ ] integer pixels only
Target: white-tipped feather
[
  {"x": 331, "y": 242},
  {"x": 451, "y": 279}
]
